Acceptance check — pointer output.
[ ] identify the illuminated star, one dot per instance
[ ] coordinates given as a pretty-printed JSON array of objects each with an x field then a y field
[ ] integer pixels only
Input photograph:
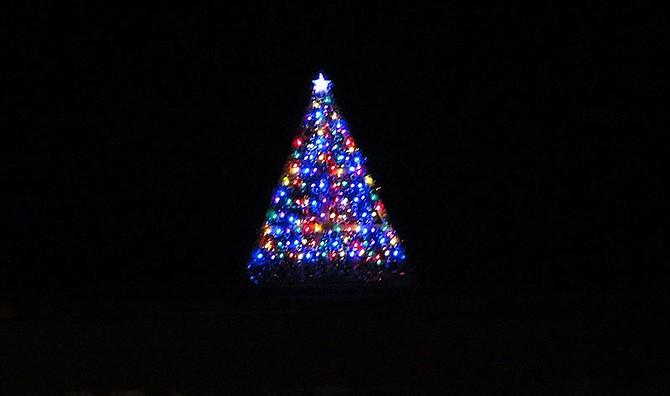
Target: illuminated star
[{"x": 321, "y": 84}]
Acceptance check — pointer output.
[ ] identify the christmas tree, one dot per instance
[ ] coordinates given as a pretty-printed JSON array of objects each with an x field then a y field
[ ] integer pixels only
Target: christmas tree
[{"x": 326, "y": 222}]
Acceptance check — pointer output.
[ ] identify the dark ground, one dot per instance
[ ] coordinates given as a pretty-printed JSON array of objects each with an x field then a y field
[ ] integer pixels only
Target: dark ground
[{"x": 415, "y": 343}]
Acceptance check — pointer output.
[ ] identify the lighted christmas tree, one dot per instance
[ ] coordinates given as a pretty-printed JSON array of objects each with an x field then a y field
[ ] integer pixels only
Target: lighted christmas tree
[{"x": 326, "y": 221}]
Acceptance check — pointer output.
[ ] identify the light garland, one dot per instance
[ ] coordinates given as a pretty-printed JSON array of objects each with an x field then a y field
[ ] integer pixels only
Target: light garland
[{"x": 326, "y": 220}]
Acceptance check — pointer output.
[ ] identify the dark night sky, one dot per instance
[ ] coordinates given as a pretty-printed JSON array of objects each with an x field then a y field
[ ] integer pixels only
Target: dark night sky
[{"x": 514, "y": 147}]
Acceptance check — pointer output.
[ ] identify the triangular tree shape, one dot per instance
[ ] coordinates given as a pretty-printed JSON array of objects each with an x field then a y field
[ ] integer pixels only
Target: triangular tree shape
[{"x": 326, "y": 222}]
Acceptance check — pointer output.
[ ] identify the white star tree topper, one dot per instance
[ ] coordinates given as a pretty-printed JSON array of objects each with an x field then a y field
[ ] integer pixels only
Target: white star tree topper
[{"x": 321, "y": 84}]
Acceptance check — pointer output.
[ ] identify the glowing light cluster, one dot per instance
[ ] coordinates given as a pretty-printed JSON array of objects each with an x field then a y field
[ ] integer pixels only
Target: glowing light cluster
[{"x": 326, "y": 220}]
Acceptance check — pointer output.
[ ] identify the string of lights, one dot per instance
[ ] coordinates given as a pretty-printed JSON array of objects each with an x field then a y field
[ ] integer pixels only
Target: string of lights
[{"x": 326, "y": 220}]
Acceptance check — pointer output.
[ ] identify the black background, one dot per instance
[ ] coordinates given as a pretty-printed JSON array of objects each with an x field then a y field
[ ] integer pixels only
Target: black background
[
  {"x": 514, "y": 146},
  {"x": 518, "y": 151}
]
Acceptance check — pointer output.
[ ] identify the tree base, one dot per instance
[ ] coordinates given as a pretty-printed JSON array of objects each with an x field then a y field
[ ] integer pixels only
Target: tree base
[{"x": 330, "y": 275}]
